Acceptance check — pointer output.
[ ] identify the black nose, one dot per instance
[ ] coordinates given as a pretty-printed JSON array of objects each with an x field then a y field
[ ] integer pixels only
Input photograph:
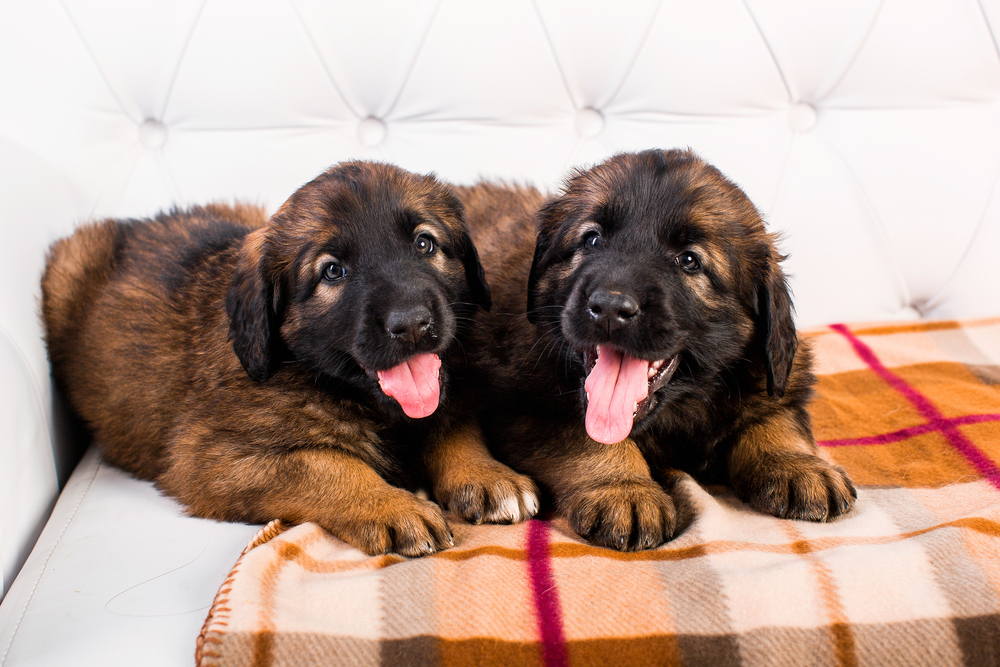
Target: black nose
[
  {"x": 408, "y": 324},
  {"x": 612, "y": 309}
]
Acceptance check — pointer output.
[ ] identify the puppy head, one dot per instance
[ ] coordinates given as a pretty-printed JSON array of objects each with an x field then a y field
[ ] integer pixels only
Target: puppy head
[
  {"x": 658, "y": 272},
  {"x": 363, "y": 275}
]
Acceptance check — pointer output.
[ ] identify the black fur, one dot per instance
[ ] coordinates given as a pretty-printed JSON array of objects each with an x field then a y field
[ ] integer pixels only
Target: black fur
[{"x": 658, "y": 255}]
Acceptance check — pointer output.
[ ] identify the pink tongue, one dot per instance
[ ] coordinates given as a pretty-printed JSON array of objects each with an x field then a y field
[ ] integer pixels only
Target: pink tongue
[
  {"x": 414, "y": 384},
  {"x": 616, "y": 384}
]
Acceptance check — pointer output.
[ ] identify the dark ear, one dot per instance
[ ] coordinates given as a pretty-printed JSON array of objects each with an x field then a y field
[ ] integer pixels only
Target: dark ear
[
  {"x": 537, "y": 266},
  {"x": 540, "y": 262},
  {"x": 775, "y": 320},
  {"x": 475, "y": 275},
  {"x": 250, "y": 306}
]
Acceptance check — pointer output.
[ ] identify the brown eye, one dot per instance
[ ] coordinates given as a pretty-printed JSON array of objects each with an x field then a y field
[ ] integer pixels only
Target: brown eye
[
  {"x": 593, "y": 241},
  {"x": 688, "y": 261},
  {"x": 333, "y": 272},
  {"x": 424, "y": 243}
]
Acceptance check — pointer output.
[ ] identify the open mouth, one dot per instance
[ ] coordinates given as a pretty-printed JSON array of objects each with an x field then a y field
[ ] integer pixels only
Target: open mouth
[
  {"x": 620, "y": 390},
  {"x": 415, "y": 384}
]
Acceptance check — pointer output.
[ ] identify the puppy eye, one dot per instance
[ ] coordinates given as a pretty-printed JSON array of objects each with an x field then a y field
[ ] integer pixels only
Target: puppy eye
[
  {"x": 333, "y": 272},
  {"x": 688, "y": 261},
  {"x": 424, "y": 243},
  {"x": 593, "y": 241}
]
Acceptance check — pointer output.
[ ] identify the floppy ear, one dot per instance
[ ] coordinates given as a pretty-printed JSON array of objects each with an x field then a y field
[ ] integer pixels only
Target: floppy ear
[
  {"x": 538, "y": 265},
  {"x": 775, "y": 319},
  {"x": 543, "y": 239},
  {"x": 249, "y": 305},
  {"x": 475, "y": 275}
]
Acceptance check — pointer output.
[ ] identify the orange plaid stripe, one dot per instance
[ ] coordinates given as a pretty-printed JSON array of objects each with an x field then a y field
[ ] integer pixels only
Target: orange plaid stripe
[{"x": 911, "y": 576}]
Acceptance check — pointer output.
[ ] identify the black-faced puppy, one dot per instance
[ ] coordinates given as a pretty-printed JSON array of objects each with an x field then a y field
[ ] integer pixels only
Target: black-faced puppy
[
  {"x": 647, "y": 329},
  {"x": 299, "y": 367}
]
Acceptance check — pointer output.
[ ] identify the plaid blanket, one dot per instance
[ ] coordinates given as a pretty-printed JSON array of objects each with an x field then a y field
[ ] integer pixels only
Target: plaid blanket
[{"x": 910, "y": 577}]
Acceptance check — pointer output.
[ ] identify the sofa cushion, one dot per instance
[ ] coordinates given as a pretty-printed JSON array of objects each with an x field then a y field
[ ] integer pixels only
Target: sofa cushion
[{"x": 119, "y": 576}]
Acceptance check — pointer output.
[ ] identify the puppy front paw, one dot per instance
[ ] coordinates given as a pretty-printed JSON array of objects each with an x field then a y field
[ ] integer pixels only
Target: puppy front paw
[
  {"x": 627, "y": 515},
  {"x": 797, "y": 486},
  {"x": 488, "y": 492},
  {"x": 402, "y": 524}
]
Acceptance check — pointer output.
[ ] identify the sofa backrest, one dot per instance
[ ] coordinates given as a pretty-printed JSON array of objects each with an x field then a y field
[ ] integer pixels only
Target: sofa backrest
[{"x": 867, "y": 132}]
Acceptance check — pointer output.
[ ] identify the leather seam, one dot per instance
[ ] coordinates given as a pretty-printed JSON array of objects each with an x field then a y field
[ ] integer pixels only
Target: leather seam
[{"x": 45, "y": 565}]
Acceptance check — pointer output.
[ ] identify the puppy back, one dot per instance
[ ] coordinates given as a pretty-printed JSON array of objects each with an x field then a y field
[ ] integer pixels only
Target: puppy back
[
  {"x": 501, "y": 219},
  {"x": 77, "y": 269}
]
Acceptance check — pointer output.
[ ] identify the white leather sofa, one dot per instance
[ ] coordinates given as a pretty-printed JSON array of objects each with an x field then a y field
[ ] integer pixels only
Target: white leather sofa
[{"x": 867, "y": 131}]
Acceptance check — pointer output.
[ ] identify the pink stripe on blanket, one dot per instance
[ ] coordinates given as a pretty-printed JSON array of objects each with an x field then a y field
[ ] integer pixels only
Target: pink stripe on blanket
[
  {"x": 912, "y": 432},
  {"x": 938, "y": 422},
  {"x": 543, "y": 586}
]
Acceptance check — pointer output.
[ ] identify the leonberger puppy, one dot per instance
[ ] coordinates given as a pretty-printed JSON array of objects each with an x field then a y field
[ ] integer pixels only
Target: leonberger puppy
[
  {"x": 642, "y": 326},
  {"x": 306, "y": 367}
]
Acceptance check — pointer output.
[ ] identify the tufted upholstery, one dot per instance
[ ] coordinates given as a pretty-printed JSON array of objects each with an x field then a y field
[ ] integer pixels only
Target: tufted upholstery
[{"x": 867, "y": 131}]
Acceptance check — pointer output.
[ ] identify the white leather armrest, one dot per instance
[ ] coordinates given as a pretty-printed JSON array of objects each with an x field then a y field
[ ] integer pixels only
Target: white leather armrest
[{"x": 27, "y": 476}]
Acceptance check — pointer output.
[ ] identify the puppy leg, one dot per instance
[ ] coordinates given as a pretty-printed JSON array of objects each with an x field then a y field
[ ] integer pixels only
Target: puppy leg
[
  {"x": 607, "y": 493},
  {"x": 468, "y": 481},
  {"x": 774, "y": 468},
  {"x": 327, "y": 486}
]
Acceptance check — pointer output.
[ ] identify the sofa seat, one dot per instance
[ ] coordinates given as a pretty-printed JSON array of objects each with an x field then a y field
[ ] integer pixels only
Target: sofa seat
[
  {"x": 118, "y": 576},
  {"x": 866, "y": 131}
]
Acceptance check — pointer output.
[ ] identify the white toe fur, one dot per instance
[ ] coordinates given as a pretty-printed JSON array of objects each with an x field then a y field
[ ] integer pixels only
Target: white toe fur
[
  {"x": 509, "y": 510},
  {"x": 530, "y": 504}
]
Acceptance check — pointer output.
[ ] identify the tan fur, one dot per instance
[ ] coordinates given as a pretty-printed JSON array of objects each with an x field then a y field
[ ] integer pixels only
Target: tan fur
[
  {"x": 733, "y": 413},
  {"x": 466, "y": 476},
  {"x": 143, "y": 326}
]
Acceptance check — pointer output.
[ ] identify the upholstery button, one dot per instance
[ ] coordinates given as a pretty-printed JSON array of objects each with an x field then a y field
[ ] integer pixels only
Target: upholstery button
[
  {"x": 589, "y": 122},
  {"x": 152, "y": 134},
  {"x": 802, "y": 116},
  {"x": 371, "y": 131}
]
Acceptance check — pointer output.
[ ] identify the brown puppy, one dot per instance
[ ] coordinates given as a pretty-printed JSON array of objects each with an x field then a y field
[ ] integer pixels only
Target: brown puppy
[
  {"x": 648, "y": 330},
  {"x": 299, "y": 368}
]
